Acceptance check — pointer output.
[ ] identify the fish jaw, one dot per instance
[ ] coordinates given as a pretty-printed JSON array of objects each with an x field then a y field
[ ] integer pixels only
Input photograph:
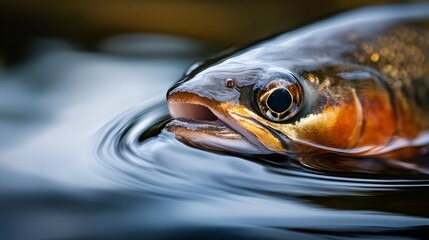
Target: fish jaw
[
  {"x": 203, "y": 123},
  {"x": 213, "y": 136}
]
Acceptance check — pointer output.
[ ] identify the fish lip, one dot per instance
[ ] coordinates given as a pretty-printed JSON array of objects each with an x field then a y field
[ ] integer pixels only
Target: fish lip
[{"x": 193, "y": 98}]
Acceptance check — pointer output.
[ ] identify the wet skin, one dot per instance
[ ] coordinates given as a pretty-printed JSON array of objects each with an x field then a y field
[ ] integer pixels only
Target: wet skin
[{"x": 356, "y": 85}]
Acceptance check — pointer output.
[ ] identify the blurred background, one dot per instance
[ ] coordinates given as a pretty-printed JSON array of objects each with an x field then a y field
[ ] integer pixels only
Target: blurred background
[
  {"x": 68, "y": 67},
  {"x": 214, "y": 22}
]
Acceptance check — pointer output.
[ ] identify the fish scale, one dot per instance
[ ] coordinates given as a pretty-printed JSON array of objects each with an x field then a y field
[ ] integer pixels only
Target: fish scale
[{"x": 401, "y": 54}]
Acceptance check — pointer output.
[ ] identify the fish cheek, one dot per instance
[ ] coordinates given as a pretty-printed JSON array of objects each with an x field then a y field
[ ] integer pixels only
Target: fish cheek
[
  {"x": 337, "y": 125},
  {"x": 255, "y": 127}
]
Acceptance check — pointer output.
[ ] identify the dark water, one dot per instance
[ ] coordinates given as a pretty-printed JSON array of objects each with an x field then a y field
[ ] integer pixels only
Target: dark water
[{"x": 83, "y": 156}]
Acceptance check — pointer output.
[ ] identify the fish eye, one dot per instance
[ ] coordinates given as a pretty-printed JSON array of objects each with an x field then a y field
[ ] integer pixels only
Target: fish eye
[{"x": 280, "y": 99}]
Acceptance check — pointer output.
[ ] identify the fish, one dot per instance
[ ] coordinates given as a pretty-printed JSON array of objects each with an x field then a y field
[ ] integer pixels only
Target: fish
[{"x": 353, "y": 86}]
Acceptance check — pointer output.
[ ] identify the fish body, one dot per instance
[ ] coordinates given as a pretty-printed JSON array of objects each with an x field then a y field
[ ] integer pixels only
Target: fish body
[{"x": 356, "y": 85}]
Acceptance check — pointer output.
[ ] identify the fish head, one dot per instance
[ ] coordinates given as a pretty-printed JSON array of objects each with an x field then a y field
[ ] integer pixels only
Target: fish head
[{"x": 271, "y": 108}]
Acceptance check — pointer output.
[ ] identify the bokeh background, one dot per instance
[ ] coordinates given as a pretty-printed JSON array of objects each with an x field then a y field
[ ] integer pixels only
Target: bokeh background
[{"x": 215, "y": 22}]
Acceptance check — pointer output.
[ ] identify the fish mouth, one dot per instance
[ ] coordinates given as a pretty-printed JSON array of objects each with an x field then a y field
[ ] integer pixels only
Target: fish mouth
[
  {"x": 193, "y": 109},
  {"x": 191, "y": 112},
  {"x": 201, "y": 122}
]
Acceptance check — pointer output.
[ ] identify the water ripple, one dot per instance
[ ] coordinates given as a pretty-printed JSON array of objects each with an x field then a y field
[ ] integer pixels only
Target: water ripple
[{"x": 144, "y": 157}]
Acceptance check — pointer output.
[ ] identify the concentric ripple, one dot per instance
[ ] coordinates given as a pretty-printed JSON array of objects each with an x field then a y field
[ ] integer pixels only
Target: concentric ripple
[{"x": 143, "y": 156}]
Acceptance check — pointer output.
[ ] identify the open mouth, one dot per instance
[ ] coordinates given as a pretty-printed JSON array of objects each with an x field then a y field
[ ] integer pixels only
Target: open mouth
[
  {"x": 195, "y": 111},
  {"x": 191, "y": 112},
  {"x": 198, "y": 122},
  {"x": 197, "y": 117}
]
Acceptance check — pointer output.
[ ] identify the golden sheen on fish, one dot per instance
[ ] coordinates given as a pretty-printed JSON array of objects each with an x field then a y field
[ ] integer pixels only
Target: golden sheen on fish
[{"x": 356, "y": 85}]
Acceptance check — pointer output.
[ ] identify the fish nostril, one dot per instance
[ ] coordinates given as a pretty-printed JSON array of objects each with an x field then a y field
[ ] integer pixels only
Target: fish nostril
[
  {"x": 191, "y": 111},
  {"x": 230, "y": 83}
]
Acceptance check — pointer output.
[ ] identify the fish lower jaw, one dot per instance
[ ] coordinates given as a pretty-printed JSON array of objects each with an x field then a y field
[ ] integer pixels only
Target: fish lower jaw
[
  {"x": 211, "y": 135},
  {"x": 195, "y": 124}
]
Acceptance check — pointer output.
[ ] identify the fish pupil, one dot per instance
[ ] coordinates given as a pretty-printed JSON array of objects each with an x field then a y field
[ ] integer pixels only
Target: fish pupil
[{"x": 279, "y": 100}]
